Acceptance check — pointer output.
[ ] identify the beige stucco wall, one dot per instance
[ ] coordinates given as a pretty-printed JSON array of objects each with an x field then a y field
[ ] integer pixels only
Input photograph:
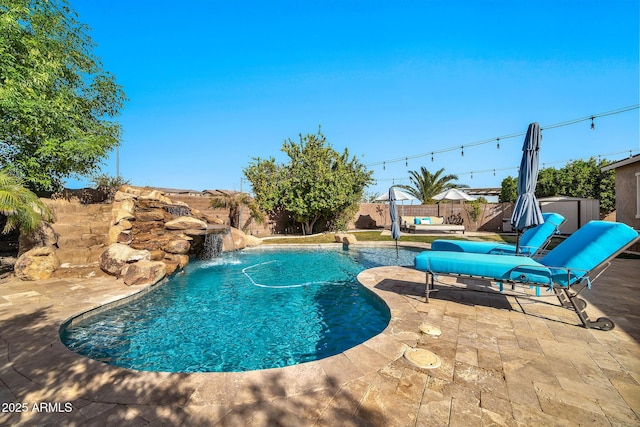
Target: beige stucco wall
[{"x": 627, "y": 195}]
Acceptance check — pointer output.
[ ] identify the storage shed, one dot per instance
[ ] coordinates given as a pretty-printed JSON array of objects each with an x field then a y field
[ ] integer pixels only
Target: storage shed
[{"x": 576, "y": 210}]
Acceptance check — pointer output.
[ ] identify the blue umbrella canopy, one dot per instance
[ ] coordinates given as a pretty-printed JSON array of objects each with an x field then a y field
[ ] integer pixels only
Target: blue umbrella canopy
[
  {"x": 526, "y": 212},
  {"x": 393, "y": 212}
]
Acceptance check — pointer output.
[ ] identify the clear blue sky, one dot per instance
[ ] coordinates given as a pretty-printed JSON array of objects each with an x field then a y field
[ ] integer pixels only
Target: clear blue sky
[{"x": 213, "y": 84}]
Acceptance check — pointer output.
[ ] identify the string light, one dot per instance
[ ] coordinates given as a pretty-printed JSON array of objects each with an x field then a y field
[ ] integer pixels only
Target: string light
[
  {"x": 406, "y": 162},
  {"x": 384, "y": 166},
  {"x": 544, "y": 165},
  {"x": 593, "y": 126},
  {"x": 462, "y": 152},
  {"x": 514, "y": 135}
]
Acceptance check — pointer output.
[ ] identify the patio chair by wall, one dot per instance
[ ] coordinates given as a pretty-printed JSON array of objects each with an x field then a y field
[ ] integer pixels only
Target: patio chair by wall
[
  {"x": 532, "y": 241},
  {"x": 566, "y": 270}
]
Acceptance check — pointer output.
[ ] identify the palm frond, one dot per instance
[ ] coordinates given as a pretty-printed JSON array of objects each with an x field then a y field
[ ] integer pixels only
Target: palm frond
[{"x": 22, "y": 208}]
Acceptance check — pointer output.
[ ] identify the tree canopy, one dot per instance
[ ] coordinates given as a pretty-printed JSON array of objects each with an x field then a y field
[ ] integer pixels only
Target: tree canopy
[
  {"x": 57, "y": 104},
  {"x": 580, "y": 178},
  {"x": 425, "y": 185},
  {"x": 317, "y": 182}
]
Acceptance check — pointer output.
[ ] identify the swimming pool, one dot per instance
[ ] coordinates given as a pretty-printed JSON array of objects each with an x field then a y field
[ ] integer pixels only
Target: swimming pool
[{"x": 243, "y": 311}]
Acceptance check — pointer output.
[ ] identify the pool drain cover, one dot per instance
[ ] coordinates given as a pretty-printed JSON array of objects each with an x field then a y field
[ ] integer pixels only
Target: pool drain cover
[
  {"x": 422, "y": 358},
  {"x": 430, "y": 330}
]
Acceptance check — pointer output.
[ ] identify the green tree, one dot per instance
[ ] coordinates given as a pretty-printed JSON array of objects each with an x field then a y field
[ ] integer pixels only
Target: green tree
[
  {"x": 580, "y": 178},
  {"x": 234, "y": 201},
  {"x": 21, "y": 207},
  {"x": 509, "y": 190},
  {"x": 57, "y": 104},
  {"x": 317, "y": 182},
  {"x": 425, "y": 185},
  {"x": 547, "y": 185}
]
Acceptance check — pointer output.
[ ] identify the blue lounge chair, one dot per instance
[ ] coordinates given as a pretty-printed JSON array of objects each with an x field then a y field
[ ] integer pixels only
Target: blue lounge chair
[
  {"x": 532, "y": 241},
  {"x": 573, "y": 264}
]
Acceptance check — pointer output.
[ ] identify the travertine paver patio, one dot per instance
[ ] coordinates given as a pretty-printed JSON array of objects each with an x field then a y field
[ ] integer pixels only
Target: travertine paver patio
[{"x": 513, "y": 361}]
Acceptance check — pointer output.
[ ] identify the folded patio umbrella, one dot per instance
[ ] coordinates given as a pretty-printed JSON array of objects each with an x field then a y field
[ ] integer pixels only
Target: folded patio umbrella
[
  {"x": 393, "y": 212},
  {"x": 526, "y": 212}
]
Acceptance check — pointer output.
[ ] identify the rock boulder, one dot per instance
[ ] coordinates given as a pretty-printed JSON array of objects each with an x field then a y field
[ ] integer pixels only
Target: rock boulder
[
  {"x": 143, "y": 272},
  {"x": 43, "y": 236},
  {"x": 233, "y": 240},
  {"x": 123, "y": 210},
  {"x": 185, "y": 223},
  {"x": 175, "y": 262},
  {"x": 116, "y": 256},
  {"x": 349, "y": 239},
  {"x": 37, "y": 264},
  {"x": 251, "y": 241},
  {"x": 176, "y": 246},
  {"x": 121, "y": 195}
]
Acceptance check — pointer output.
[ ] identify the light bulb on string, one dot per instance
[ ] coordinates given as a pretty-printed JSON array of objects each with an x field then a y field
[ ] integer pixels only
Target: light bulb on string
[
  {"x": 494, "y": 172},
  {"x": 593, "y": 126},
  {"x": 406, "y": 162},
  {"x": 432, "y": 157},
  {"x": 471, "y": 175},
  {"x": 384, "y": 166},
  {"x": 498, "y": 143},
  {"x": 462, "y": 152}
]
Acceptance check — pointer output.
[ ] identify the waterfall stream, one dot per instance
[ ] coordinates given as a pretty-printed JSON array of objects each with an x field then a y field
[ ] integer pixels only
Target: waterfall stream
[{"x": 211, "y": 247}]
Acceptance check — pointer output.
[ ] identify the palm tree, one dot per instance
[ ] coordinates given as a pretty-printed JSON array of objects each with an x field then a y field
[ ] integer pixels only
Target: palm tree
[
  {"x": 425, "y": 185},
  {"x": 21, "y": 208},
  {"x": 234, "y": 201}
]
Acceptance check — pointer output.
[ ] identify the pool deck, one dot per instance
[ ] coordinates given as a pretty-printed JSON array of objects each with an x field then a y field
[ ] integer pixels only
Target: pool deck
[{"x": 506, "y": 361}]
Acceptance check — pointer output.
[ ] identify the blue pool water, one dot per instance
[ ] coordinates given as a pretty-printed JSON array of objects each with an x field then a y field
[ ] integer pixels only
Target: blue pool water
[{"x": 243, "y": 311}]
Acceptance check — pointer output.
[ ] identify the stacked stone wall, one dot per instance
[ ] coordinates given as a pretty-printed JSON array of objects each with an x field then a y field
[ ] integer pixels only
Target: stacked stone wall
[{"x": 81, "y": 229}]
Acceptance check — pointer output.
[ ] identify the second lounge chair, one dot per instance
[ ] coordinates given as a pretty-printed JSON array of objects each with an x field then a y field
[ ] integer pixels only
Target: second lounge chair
[{"x": 532, "y": 241}]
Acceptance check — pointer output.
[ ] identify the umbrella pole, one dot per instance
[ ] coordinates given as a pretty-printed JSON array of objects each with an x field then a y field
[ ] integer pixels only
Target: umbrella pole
[{"x": 517, "y": 241}]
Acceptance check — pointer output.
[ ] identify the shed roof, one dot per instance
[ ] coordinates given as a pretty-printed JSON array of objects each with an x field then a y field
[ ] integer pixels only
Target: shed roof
[{"x": 625, "y": 162}]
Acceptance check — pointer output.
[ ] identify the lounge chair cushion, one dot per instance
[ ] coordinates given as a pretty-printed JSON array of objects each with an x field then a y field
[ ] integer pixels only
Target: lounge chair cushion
[
  {"x": 537, "y": 236},
  {"x": 472, "y": 247},
  {"x": 507, "y": 267},
  {"x": 587, "y": 248}
]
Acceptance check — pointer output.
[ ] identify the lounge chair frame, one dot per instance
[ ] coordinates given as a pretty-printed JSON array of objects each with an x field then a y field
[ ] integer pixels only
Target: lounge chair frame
[{"x": 567, "y": 296}]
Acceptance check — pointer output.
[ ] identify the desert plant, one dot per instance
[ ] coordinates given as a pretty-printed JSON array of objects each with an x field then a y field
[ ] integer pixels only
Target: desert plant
[
  {"x": 234, "y": 201},
  {"x": 21, "y": 207},
  {"x": 104, "y": 180}
]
